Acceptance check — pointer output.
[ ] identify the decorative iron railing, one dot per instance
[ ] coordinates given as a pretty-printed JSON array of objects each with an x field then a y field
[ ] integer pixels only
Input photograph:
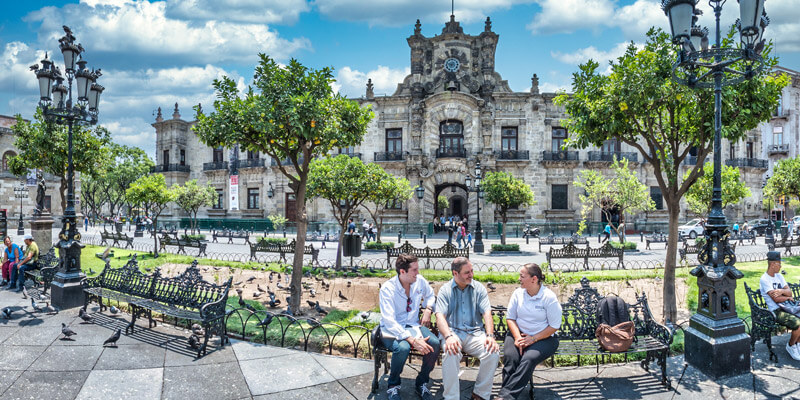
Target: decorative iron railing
[
  {"x": 610, "y": 155},
  {"x": 747, "y": 162},
  {"x": 451, "y": 152},
  {"x": 213, "y": 166},
  {"x": 389, "y": 156},
  {"x": 562, "y": 155},
  {"x": 512, "y": 155},
  {"x": 169, "y": 168}
]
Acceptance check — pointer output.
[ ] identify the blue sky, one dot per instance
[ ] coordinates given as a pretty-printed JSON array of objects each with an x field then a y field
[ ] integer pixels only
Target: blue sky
[{"x": 155, "y": 53}]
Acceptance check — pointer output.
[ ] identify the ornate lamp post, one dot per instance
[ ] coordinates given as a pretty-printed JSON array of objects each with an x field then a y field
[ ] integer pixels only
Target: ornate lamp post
[
  {"x": 478, "y": 232},
  {"x": 716, "y": 342},
  {"x": 21, "y": 192},
  {"x": 62, "y": 109}
]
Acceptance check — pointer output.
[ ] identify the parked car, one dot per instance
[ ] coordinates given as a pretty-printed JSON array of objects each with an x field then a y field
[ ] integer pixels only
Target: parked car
[
  {"x": 759, "y": 226},
  {"x": 692, "y": 229},
  {"x": 796, "y": 223}
]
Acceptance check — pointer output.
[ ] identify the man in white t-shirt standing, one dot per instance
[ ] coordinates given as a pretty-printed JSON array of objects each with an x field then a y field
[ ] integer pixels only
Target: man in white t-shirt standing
[{"x": 775, "y": 290}]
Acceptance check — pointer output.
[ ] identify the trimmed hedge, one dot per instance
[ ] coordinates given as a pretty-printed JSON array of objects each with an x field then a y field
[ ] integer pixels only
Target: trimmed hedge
[
  {"x": 193, "y": 237},
  {"x": 505, "y": 247},
  {"x": 379, "y": 245},
  {"x": 272, "y": 240},
  {"x": 627, "y": 245}
]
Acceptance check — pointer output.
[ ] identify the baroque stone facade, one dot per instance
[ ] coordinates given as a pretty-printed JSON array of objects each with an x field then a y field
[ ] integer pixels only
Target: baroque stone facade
[{"x": 453, "y": 110}]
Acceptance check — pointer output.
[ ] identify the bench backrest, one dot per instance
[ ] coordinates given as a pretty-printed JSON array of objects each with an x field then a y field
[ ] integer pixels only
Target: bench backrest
[
  {"x": 446, "y": 251},
  {"x": 127, "y": 278}
]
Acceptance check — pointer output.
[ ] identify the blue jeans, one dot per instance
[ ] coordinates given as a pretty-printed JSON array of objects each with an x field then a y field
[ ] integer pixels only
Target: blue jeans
[
  {"x": 400, "y": 350},
  {"x": 19, "y": 276}
]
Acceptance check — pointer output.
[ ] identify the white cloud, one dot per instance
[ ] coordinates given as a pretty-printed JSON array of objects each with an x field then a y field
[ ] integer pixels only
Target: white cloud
[
  {"x": 352, "y": 83},
  {"x": 15, "y": 59},
  {"x": 580, "y": 56},
  {"x": 564, "y": 16},
  {"x": 636, "y": 19},
  {"x": 140, "y": 27},
  {"x": 252, "y": 11},
  {"x": 403, "y": 12}
]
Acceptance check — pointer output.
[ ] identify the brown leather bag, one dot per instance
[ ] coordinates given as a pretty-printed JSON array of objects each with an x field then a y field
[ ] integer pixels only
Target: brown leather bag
[{"x": 617, "y": 338}]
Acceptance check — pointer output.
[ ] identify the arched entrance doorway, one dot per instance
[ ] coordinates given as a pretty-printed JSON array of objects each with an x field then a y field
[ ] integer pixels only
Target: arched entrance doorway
[{"x": 457, "y": 200}]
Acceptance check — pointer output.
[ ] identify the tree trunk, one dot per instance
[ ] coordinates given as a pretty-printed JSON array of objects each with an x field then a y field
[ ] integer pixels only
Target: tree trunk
[
  {"x": 339, "y": 248},
  {"x": 505, "y": 219},
  {"x": 155, "y": 237},
  {"x": 670, "y": 309},
  {"x": 378, "y": 227},
  {"x": 300, "y": 242}
]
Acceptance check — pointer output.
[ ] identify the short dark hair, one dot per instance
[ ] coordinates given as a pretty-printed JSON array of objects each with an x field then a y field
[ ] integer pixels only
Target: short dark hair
[
  {"x": 534, "y": 269},
  {"x": 458, "y": 262},
  {"x": 404, "y": 261}
]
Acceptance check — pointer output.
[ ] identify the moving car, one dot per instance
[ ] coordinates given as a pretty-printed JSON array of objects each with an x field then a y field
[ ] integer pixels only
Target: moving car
[
  {"x": 759, "y": 226},
  {"x": 692, "y": 229}
]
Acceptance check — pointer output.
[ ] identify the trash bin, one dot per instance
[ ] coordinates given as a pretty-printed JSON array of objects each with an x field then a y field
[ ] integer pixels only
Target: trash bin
[
  {"x": 118, "y": 227},
  {"x": 351, "y": 247},
  {"x": 139, "y": 232}
]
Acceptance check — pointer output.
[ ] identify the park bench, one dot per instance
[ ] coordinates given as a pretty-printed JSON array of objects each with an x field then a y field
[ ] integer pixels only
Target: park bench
[
  {"x": 447, "y": 251},
  {"x": 655, "y": 238},
  {"x": 182, "y": 243},
  {"x": 230, "y": 235},
  {"x": 115, "y": 238},
  {"x": 742, "y": 236},
  {"x": 787, "y": 242},
  {"x": 186, "y": 296},
  {"x": 43, "y": 276},
  {"x": 572, "y": 251},
  {"x": 763, "y": 323},
  {"x": 576, "y": 335},
  {"x": 154, "y": 232},
  {"x": 555, "y": 240},
  {"x": 282, "y": 249},
  {"x": 695, "y": 249}
]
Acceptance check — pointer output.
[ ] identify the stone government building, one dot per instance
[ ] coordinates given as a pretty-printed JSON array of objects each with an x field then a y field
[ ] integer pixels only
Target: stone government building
[{"x": 453, "y": 110}]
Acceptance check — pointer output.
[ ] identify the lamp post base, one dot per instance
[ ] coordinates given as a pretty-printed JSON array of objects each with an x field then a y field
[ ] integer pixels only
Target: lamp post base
[
  {"x": 66, "y": 291},
  {"x": 718, "y": 348}
]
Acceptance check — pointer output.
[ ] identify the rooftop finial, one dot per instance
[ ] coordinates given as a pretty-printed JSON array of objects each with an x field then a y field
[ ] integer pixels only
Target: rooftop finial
[
  {"x": 159, "y": 118},
  {"x": 176, "y": 114},
  {"x": 417, "y": 28},
  {"x": 370, "y": 92},
  {"x": 452, "y": 8},
  {"x": 535, "y": 84},
  {"x": 488, "y": 26}
]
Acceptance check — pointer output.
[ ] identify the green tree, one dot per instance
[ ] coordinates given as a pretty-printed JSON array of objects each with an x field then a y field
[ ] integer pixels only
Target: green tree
[
  {"x": 442, "y": 204},
  {"x": 151, "y": 193},
  {"x": 278, "y": 221},
  {"x": 623, "y": 193},
  {"x": 785, "y": 180},
  {"x": 638, "y": 103},
  {"x": 190, "y": 197},
  {"x": 92, "y": 198},
  {"x": 43, "y": 145},
  {"x": 506, "y": 192},
  {"x": 290, "y": 114},
  {"x": 733, "y": 189},
  {"x": 346, "y": 182},
  {"x": 125, "y": 165},
  {"x": 391, "y": 190}
]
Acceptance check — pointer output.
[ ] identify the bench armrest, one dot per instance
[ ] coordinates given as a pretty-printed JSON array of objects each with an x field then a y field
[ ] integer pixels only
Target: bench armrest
[{"x": 662, "y": 333}]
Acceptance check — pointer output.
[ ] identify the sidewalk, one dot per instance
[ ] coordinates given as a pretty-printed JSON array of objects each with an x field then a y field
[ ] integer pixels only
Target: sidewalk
[{"x": 157, "y": 364}]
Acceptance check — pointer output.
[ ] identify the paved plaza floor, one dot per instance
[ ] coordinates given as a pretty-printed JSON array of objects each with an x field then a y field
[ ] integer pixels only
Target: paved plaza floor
[{"x": 157, "y": 364}]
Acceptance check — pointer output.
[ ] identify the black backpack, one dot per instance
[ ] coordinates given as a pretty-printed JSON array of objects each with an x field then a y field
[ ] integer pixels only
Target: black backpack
[{"x": 612, "y": 311}]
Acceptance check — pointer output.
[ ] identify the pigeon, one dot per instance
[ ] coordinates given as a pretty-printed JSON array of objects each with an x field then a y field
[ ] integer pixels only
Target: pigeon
[
  {"x": 113, "y": 310},
  {"x": 258, "y": 287},
  {"x": 113, "y": 339},
  {"x": 239, "y": 283},
  {"x": 198, "y": 330},
  {"x": 35, "y": 306},
  {"x": 7, "y": 313},
  {"x": 257, "y": 295},
  {"x": 281, "y": 286},
  {"x": 24, "y": 292},
  {"x": 84, "y": 316},
  {"x": 279, "y": 276},
  {"x": 267, "y": 319},
  {"x": 67, "y": 332},
  {"x": 274, "y": 303},
  {"x": 270, "y": 293},
  {"x": 194, "y": 342},
  {"x": 287, "y": 311},
  {"x": 319, "y": 309},
  {"x": 364, "y": 315},
  {"x": 311, "y": 321},
  {"x": 341, "y": 296},
  {"x": 251, "y": 279},
  {"x": 311, "y": 303},
  {"x": 490, "y": 286},
  {"x": 313, "y": 293},
  {"x": 349, "y": 284}
]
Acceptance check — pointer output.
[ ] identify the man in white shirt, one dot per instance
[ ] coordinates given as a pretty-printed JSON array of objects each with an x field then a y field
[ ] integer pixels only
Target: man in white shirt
[
  {"x": 400, "y": 301},
  {"x": 775, "y": 290}
]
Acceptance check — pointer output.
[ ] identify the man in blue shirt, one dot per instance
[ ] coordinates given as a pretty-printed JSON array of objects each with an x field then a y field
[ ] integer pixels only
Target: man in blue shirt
[
  {"x": 351, "y": 227},
  {"x": 607, "y": 232},
  {"x": 464, "y": 319}
]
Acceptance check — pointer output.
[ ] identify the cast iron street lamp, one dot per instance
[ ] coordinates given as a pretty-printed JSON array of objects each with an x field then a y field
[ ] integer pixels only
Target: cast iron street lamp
[
  {"x": 478, "y": 232},
  {"x": 716, "y": 342},
  {"x": 62, "y": 110},
  {"x": 21, "y": 192}
]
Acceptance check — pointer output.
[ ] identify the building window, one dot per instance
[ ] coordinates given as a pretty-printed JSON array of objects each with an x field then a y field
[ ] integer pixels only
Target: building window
[
  {"x": 165, "y": 159},
  {"x": 777, "y": 135},
  {"x": 394, "y": 140},
  {"x": 655, "y": 194},
  {"x": 394, "y": 205},
  {"x": 559, "y": 136},
  {"x": 252, "y": 198},
  {"x": 750, "y": 150},
  {"x": 451, "y": 136},
  {"x": 559, "y": 197},
  {"x": 732, "y": 150},
  {"x": 252, "y": 155},
  {"x": 779, "y": 108},
  {"x": 218, "y": 155},
  {"x": 220, "y": 199},
  {"x": 6, "y": 157},
  {"x": 611, "y": 146},
  {"x": 508, "y": 138},
  {"x": 183, "y": 157},
  {"x": 350, "y": 150}
]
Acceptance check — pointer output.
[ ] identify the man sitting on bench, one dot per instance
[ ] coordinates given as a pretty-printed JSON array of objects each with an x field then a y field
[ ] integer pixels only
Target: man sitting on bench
[
  {"x": 778, "y": 296},
  {"x": 400, "y": 300}
]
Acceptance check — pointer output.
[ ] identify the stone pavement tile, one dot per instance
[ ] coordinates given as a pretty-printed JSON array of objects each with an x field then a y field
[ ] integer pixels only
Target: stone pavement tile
[
  {"x": 341, "y": 367},
  {"x": 281, "y": 374},
  {"x": 48, "y": 319},
  {"x": 6, "y": 332},
  {"x": 7, "y": 378},
  {"x": 360, "y": 386},
  {"x": 85, "y": 335},
  {"x": 562, "y": 382},
  {"x": 140, "y": 384},
  {"x": 627, "y": 381},
  {"x": 33, "y": 335},
  {"x": 18, "y": 357},
  {"x": 778, "y": 384},
  {"x": 251, "y": 351},
  {"x": 199, "y": 382},
  {"x": 67, "y": 358},
  {"x": 695, "y": 384},
  {"x": 132, "y": 356},
  {"x": 328, "y": 391},
  {"x": 47, "y": 385},
  {"x": 180, "y": 354}
]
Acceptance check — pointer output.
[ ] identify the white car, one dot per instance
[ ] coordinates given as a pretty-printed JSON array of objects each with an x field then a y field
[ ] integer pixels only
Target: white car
[
  {"x": 796, "y": 223},
  {"x": 692, "y": 229}
]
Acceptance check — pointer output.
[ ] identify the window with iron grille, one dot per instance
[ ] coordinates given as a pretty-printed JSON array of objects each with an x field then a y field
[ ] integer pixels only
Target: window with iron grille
[
  {"x": 508, "y": 138},
  {"x": 559, "y": 197},
  {"x": 252, "y": 198},
  {"x": 183, "y": 157},
  {"x": 394, "y": 205},
  {"x": 559, "y": 136},
  {"x": 451, "y": 136},
  {"x": 220, "y": 198},
  {"x": 394, "y": 140},
  {"x": 777, "y": 135},
  {"x": 218, "y": 155}
]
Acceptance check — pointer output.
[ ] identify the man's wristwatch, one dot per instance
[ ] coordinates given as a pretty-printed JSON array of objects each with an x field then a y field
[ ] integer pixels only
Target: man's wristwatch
[{"x": 448, "y": 336}]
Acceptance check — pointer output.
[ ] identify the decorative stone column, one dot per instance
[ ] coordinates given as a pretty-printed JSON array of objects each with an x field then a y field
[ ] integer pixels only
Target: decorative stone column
[{"x": 42, "y": 231}]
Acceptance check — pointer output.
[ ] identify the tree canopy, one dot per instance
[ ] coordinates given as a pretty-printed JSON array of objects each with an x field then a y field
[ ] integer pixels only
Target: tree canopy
[
  {"x": 733, "y": 189},
  {"x": 392, "y": 190},
  {"x": 190, "y": 197},
  {"x": 151, "y": 192},
  {"x": 506, "y": 192},
  {"x": 785, "y": 179}
]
